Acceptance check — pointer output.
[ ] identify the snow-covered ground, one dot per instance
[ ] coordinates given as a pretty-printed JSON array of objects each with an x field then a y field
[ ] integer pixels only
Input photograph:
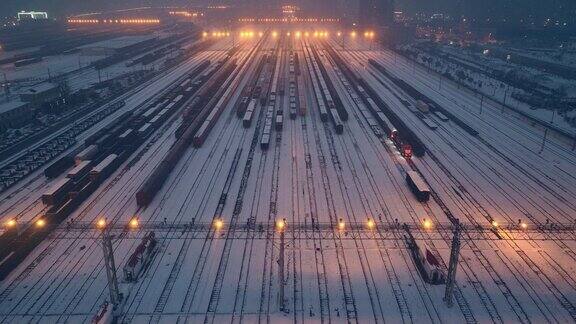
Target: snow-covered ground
[
  {"x": 76, "y": 65},
  {"x": 311, "y": 175},
  {"x": 475, "y": 70}
]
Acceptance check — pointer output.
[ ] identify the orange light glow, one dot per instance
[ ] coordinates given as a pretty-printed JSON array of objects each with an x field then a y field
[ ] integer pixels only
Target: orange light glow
[
  {"x": 218, "y": 224},
  {"x": 40, "y": 223},
  {"x": 134, "y": 222},
  {"x": 370, "y": 223},
  {"x": 101, "y": 223},
  {"x": 341, "y": 224}
]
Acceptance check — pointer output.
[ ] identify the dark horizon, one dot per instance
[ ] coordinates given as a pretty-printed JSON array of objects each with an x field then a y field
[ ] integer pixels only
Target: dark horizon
[{"x": 495, "y": 9}]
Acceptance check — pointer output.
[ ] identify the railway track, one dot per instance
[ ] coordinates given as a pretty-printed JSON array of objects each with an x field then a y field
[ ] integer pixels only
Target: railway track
[
  {"x": 506, "y": 291},
  {"x": 175, "y": 270},
  {"x": 84, "y": 212}
]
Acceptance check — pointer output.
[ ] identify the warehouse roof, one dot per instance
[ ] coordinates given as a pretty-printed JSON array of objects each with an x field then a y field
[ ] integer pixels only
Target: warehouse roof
[{"x": 119, "y": 42}]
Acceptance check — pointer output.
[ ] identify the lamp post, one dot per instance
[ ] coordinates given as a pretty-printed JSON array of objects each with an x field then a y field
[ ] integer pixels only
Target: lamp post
[
  {"x": 109, "y": 263},
  {"x": 453, "y": 265},
  {"x": 280, "y": 228}
]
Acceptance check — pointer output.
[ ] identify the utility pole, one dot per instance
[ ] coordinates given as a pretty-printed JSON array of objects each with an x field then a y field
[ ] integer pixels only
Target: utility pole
[
  {"x": 544, "y": 140},
  {"x": 453, "y": 265},
  {"x": 440, "y": 81},
  {"x": 280, "y": 227},
  {"x": 110, "y": 265}
]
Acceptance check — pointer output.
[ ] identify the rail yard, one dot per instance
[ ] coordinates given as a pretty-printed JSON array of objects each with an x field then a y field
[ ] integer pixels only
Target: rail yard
[{"x": 284, "y": 175}]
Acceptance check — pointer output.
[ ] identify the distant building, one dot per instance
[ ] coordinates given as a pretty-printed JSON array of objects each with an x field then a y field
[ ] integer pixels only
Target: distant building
[
  {"x": 40, "y": 93},
  {"x": 399, "y": 16},
  {"x": 14, "y": 114},
  {"x": 32, "y": 15},
  {"x": 376, "y": 13}
]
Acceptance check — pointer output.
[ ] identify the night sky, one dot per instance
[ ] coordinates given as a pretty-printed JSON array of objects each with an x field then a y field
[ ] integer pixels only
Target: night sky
[{"x": 470, "y": 8}]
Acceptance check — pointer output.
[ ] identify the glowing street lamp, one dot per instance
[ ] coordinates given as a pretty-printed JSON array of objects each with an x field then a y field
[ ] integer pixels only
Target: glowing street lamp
[
  {"x": 370, "y": 223},
  {"x": 134, "y": 223},
  {"x": 40, "y": 223},
  {"x": 218, "y": 224},
  {"x": 281, "y": 224},
  {"x": 11, "y": 223},
  {"x": 341, "y": 224},
  {"x": 427, "y": 224},
  {"x": 494, "y": 224},
  {"x": 101, "y": 223}
]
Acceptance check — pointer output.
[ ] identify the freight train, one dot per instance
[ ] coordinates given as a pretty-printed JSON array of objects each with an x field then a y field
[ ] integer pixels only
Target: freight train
[
  {"x": 198, "y": 119},
  {"x": 418, "y": 186},
  {"x": 140, "y": 258},
  {"x": 427, "y": 263},
  {"x": 326, "y": 100},
  {"x": 423, "y": 102},
  {"x": 110, "y": 146},
  {"x": 406, "y": 141}
]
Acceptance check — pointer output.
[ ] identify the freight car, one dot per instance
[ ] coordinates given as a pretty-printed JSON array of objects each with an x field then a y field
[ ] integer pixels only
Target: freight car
[
  {"x": 105, "y": 167},
  {"x": 422, "y": 106},
  {"x": 265, "y": 141},
  {"x": 338, "y": 126},
  {"x": 418, "y": 186},
  {"x": 279, "y": 123},
  {"x": 427, "y": 263},
  {"x": 441, "y": 116},
  {"x": 140, "y": 258},
  {"x": 80, "y": 170},
  {"x": 250, "y": 111},
  {"x": 86, "y": 154},
  {"x": 58, "y": 192},
  {"x": 145, "y": 131},
  {"x": 242, "y": 105},
  {"x": 57, "y": 168}
]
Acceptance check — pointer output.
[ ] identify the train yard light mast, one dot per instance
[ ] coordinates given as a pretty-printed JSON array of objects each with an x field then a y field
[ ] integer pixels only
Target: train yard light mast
[
  {"x": 281, "y": 228},
  {"x": 452, "y": 266},
  {"x": 115, "y": 296}
]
